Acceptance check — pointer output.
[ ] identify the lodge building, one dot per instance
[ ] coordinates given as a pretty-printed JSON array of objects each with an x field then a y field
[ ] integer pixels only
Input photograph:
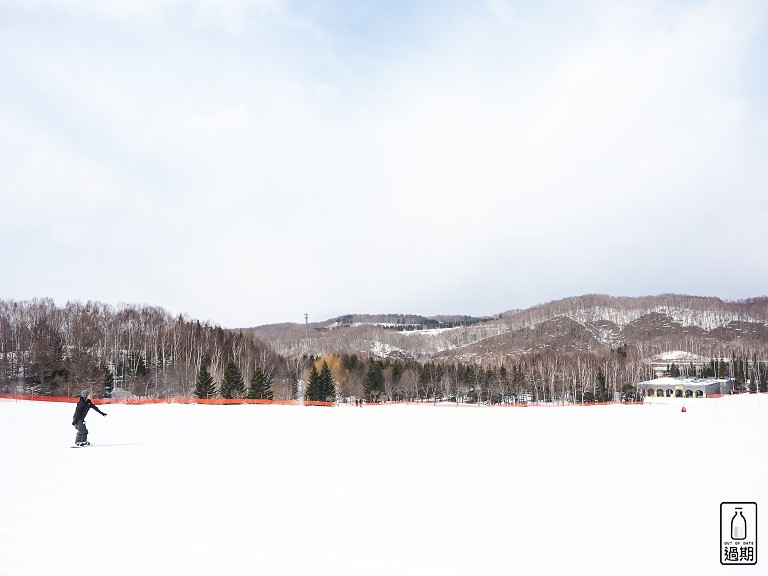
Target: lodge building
[{"x": 685, "y": 387}]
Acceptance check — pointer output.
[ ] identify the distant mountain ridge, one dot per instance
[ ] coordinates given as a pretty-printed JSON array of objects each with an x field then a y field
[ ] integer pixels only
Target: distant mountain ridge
[
  {"x": 380, "y": 319},
  {"x": 594, "y": 322},
  {"x": 701, "y": 311}
]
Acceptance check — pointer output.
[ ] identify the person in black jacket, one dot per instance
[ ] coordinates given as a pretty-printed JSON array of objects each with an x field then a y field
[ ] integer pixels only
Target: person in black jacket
[{"x": 78, "y": 420}]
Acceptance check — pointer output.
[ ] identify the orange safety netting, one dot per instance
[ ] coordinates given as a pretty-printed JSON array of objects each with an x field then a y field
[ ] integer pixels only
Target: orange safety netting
[
  {"x": 165, "y": 400},
  {"x": 231, "y": 401}
]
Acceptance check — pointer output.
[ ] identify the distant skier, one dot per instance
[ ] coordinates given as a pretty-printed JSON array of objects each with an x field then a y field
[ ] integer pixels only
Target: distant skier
[
  {"x": 683, "y": 410},
  {"x": 78, "y": 420}
]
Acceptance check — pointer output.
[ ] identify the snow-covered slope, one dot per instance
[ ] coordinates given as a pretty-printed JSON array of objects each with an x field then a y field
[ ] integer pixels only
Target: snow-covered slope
[
  {"x": 583, "y": 323},
  {"x": 377, "y": 491}
]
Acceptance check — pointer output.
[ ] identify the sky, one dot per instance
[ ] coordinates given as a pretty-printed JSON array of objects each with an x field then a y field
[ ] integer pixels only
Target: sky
[{"x": 247, "y": 162}]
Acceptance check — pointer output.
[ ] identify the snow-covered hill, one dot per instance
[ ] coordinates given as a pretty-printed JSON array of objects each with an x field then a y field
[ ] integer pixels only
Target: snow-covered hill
[
  {"x": 586, "y": 323},
  {"x": 377, "y": 491}
]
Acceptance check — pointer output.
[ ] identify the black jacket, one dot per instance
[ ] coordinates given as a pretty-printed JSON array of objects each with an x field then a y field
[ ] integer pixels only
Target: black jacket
[{"x": 83, "y": 405}]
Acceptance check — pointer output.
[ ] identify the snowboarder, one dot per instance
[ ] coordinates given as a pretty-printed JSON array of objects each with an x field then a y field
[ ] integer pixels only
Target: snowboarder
[{"x": 78, "y": 420}]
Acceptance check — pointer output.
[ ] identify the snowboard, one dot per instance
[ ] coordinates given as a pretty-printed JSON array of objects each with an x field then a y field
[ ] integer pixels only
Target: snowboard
[{"x": 82, "y": 446}]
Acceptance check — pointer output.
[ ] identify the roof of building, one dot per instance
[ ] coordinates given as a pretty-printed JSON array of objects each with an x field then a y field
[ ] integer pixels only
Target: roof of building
[{"x": 684, "y": 381}]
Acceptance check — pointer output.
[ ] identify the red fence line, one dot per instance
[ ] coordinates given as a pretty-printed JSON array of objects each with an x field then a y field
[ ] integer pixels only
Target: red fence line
[
  {"x": 217, "y": 401},
  {"x": 233, "y": 401},
  {"x": 500, "y": 405}
]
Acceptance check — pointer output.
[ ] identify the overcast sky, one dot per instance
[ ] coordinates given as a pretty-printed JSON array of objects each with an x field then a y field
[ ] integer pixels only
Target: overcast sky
[{"x": 247, "y": 162}]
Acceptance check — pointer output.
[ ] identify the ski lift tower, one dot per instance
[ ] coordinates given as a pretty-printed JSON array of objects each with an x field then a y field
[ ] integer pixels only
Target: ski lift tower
[{"x": 306, "y": 332}]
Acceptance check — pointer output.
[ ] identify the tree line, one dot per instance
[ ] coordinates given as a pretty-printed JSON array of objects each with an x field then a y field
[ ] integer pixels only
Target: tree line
[
  {"x": 552, "y": 377},
  {"x": 135, "y": 350},
  {"x": 746, "y": 370},
  {"x": 144, "y": 351},
  {"x": 233, "y": 385}
]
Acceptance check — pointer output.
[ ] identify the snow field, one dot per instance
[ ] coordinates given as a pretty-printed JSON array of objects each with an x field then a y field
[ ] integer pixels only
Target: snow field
[{"x": 390, "y": 490}]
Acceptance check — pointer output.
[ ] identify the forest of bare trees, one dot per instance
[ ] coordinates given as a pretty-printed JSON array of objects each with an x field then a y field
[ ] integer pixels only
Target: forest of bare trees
[
  {"x": 140, "y": 350},
  {"x": 531, "y": 378}
]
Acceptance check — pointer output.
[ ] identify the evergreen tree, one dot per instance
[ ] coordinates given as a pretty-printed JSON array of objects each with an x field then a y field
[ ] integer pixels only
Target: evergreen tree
[
  {"x": 395, "y": 376},
  {"x": 722, "y": 369},
  {"x": 469, "y": 377},
  {"x": 629, "y": 393},
  {"x": 141, "y": 367},
  {"x": 350, "y": 361},
  {"x": 109, "y": 384},
  {"x": 602, "y": 389},
  {"x": 232, "y": 386},
  {"x": 373, "y": 383},
  {"x": 397, "y": 372},
  {"x": 488, "y": 377},
  {"x": 504, "y": 383},
  {"x": 204, "y": 385},
  {"x": 261, "y": 386},
  {"x": 313, "y": 386},
  {"x": 518, "y": 382},
  {"x": 327, "y": 387},
  {"x": 738, "y": 369}
]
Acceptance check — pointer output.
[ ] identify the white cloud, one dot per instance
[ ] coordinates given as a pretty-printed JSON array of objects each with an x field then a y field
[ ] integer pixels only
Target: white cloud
[
  {"x": 501, "y": 9},
  {"x": 520, "y": 152},
  {"x": 219, "y": 12}
]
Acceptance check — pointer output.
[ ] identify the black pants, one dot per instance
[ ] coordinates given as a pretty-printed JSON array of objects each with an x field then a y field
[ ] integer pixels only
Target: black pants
[{"x": 82, "y": 432}]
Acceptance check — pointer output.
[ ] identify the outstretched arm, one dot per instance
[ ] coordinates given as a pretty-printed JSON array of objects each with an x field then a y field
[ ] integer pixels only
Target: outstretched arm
[{"x": 97, "y": 409}]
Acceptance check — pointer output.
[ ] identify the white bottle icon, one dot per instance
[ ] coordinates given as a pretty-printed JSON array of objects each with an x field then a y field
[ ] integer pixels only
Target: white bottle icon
[{"x": 738, "y": 525}]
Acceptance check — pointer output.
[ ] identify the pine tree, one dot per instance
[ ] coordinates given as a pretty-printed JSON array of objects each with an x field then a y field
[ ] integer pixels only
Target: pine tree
[
  {"x": 204, "y": 385},
  {"x": 141, "y": 367},
  {"x": 232, "y": 386},
  {"x": 313, "y": 386},
  {"x": 488, "y": 377},
  {"x": 518, "y": 382},
  {"x": 260, "y": 386},
  {"x": 602, "y": 390},
  {"x": 395, "y": 376},
  {"x": 109, "y": 384},
  {"x": 327, "y": 386},
  {"x": 373, "y": 383},
  {"x": 722, "y": 369},
  {"x": 504, "y": 384}
]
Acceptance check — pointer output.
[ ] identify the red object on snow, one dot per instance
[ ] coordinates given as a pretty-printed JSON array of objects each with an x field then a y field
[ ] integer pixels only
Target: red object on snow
[{"x": 683, "y": 410}]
